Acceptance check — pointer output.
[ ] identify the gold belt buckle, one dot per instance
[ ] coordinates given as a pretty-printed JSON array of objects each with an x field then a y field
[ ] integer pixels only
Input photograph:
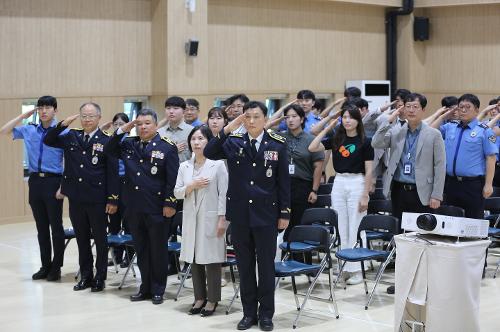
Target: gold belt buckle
[{"x": 42, "y": 175}]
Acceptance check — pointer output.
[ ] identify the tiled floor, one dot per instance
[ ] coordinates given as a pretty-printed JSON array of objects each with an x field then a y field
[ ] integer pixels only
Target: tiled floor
[{"x": 27, "y": 305}]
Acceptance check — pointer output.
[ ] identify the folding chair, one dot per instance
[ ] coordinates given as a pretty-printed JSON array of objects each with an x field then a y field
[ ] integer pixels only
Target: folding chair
[
  {"x": 492, "y": 205},
  {"x": 323, "y": 201},
  {"x": 379, "y": 183},
  {"x": 380, "y": 206},
  {"x": 378, "y": 194},
  {"x": 388, "y": 224},
  {"x": 331, "y": 179},
  {"x": 320, "y": 237},
  {"x": 325, "y": 189},
  {"x": 450, "y": 210},
  {"x": 231, "y": 262},
  {"x": 496, "y": 192},
  {"x": 119, "y": 240}
]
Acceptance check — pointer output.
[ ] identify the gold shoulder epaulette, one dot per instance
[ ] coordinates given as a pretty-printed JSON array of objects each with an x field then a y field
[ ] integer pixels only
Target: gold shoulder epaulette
[
  {"x": 168, "y": 140},
  {"x": 78, "y": 129},
  {"x": 277, "y": 137},
  {"x": 135, "y": 137},
  {"x": 236, "y": 135},
  {"x": 106, "y": 133}
]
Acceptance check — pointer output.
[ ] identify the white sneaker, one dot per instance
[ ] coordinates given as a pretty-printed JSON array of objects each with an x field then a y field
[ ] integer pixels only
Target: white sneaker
[
  {"x": 356, "y": 278},
  {"x": 223, "y": 282}
]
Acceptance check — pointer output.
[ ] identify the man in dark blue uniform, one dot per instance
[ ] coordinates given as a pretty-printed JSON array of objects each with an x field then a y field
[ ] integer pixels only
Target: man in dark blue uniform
[
  {"x": 258, "y": 204},
  {"x": 151, "y": 166},
  {"x": 91, "y": 183},
  {"x": 45, "y": 167},
  {"x": 470, "y": 158}
]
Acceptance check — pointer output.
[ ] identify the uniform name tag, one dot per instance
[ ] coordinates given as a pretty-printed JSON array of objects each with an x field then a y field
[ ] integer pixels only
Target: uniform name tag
[
  {"x": 270, "y": 155},
  {"x": 407, "y": 169},
  {"x": 291, "y": 169}
]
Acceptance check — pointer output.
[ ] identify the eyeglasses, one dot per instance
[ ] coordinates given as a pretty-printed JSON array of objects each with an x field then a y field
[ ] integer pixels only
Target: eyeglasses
[
  {"x": 465, "y": 107},
  {"x": 88, "y": 117},
  {"x": 412, "y": 107}
]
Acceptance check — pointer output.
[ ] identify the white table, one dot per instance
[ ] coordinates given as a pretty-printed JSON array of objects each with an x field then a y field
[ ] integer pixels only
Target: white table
[{"x": 438, "y": 283}]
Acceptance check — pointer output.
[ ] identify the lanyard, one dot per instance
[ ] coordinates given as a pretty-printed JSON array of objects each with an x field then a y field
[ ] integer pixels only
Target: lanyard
[{"x": 410, "y": 147}]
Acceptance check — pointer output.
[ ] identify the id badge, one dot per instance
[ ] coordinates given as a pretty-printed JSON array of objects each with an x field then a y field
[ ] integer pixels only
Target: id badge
[
  {"x": 407, "y": 169},
  {"x": 291, "y": 169}
]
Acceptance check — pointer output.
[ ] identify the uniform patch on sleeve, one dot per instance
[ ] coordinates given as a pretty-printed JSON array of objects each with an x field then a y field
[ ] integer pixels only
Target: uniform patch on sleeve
[
  {"x": 483, "y": 125},
  {"x": 277, "y": 137},
  {"x": 492, "y": 138}
]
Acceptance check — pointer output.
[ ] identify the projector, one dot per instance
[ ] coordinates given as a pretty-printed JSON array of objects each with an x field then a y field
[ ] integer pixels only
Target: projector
[{"x": 428, "y": 223}]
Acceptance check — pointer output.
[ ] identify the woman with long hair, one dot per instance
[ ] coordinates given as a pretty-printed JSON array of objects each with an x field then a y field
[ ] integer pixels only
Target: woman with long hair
[{"x": 352, "y": 156}]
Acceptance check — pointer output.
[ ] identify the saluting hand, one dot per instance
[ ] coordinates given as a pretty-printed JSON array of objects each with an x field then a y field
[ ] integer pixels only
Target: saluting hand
[
  {"x": 111, "y": 208},
  {"x": 168, "y": 211},
  {"x": 387, "y": 106},
  {"x": 106, "y": 126},
  {"x": 28, "y": 114},
  {"x": 282, "y": 223},
  {"x": 69, "y": 120},
  {"x": 395, "y": 114},
  {"x": 235, "y": 124},
  {"x": 126, "y": 128}
]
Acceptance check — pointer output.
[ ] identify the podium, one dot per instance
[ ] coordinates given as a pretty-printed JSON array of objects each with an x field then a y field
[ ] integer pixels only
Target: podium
[{"x": 437, "y": 282}]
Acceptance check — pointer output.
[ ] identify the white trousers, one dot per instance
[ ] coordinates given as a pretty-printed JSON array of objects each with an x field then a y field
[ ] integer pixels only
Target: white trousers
[{"x": 346, "y": 193}]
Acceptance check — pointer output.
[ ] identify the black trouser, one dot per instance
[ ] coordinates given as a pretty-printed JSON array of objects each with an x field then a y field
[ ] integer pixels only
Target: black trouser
[
  {"x": 150, "y": 234},
  {"x": 496, "y": 179},
  {"x": 47, "y": 211},
  {"x": 299, "y": 194},
  {"x": 248, "y": 243},
  {"x": 116, "y": 221},
  {"x": 467, "y": 194},
  {"x": 404, "y": 198},
  {"x": 89, "y": 221}
]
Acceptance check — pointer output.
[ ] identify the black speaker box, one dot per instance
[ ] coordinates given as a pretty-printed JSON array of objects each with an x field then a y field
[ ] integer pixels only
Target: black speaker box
[
  {"x": 192, "y": 48},
  {"x": 421, "y": 28}
]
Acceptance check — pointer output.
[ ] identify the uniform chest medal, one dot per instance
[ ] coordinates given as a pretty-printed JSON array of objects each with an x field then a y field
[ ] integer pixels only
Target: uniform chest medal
[
  {"x": 269, "y": 172},
  {"x": 95, "y": 160},
  {"x": 154, "y": 170},
  {"x": 270, "y": 155}
]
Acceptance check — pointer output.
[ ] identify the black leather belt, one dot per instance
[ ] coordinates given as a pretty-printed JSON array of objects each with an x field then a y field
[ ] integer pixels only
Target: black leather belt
[
  {"x": 45, "y": 175},
  {"x": 406, "y": 186},
  {"x": 466, "y": 178}
]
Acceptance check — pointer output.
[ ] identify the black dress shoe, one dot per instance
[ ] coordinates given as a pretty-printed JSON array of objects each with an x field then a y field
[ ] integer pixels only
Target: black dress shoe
[
  {"x": 139, "y": 297},
  {"x": 54, "y": 275},
  {"x": 246, "y": 323},
  {"x": 206, "y": 313},
  {"x": 157, "y": 299},
  {"x": 266, "y": 324},
  {"x": 98, "y": 285},
  {"x": 196, "y": 311},
  {"x": 391, "y": 290},
  {"x": 82, "y": 284},
  {"x": 41, "y": 274}
]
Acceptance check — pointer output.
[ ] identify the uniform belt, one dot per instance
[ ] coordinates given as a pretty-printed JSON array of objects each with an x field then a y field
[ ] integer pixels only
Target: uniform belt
[
  {"x": 466, "y": 178},
  {"x": 406, "y": 186},
  {"x": 45, "y": 174}
]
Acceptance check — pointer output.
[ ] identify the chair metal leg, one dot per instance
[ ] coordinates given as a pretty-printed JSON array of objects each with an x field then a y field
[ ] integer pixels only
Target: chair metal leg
[
  {"x": 232, "y": 300},
  {"x": 496, "y": 271},
  {"x": 364, "y": 276},
  {"x": 183, "y": 279},
  {"x": 130, "y": 265},
  {"x": 294, "y": 287},
  {"x": 379, "y": 275},
  {"x": 233, "y": 279},
  {"x": 340, "y": 275},
  {"x": 113, "y": 258}
]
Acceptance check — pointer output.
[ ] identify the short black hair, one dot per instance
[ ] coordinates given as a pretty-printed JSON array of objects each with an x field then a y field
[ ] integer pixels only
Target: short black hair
[
  {"x": 205, "y": 131},
  {"x": 146, "y": 112},
  {"x": 449, "y": 101},
  {"x": 319, "y": 104},
  {"x": 494, "y": 101},
  {"x": 299, "y": 110},
  {"x": 401, "y": 93},
  {"x": 175, "y": 101},
  {"x": 359, "y": 102},
  {"x": 121, "y": 116},
  {"x": 244, "y": 99},
  {"x": 217, "y": 111},
  {"x": 255, "y": 104},
  {"x": 192, "y": 102},
  {"x": 473, "y": 99},
  {"x": 47, "y": 101},
  {"x": 417, "y": 96},
  {"x": 306, "y": 94},
  {"x": 352, "y": 92}
]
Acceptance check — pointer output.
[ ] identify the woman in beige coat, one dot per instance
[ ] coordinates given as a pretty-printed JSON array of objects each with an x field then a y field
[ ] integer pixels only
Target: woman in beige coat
[{"x": 202, "y": 184}]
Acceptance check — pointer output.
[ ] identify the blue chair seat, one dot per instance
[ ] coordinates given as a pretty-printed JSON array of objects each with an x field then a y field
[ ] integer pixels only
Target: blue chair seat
[
  {"x": 292, "y": 268},
  {"x": 298, "y": 246},
  {"x": 174, "y": 247},
  {"x": 492, "y": 231},
  {"x": 69, "y": 233},
  {"x": 230, "y": 261},
  {"x": 360, "y": 254},
  {"x": 119, "y": 239}
]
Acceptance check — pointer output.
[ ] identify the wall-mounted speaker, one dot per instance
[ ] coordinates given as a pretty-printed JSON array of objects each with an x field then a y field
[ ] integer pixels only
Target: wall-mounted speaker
[
  {"x": 421, "y": 28},
  {"x": 192, "y": 47}
]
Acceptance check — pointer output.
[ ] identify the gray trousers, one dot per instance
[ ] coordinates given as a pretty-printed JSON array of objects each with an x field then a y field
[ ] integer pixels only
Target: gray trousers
[{"x": 206, "y": 281}]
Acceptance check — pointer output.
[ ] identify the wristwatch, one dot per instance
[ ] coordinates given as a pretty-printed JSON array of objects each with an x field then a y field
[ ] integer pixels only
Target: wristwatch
[{"x": 315, "y": 191}]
